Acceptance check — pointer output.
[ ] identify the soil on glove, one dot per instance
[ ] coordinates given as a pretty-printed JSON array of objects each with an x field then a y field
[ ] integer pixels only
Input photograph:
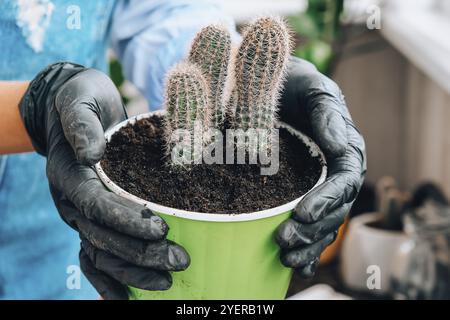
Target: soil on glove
[{"x": 135, "y": 160}]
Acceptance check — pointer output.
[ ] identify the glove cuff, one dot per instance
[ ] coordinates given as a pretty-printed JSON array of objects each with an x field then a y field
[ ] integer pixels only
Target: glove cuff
[{"x": 39, "y": 97}]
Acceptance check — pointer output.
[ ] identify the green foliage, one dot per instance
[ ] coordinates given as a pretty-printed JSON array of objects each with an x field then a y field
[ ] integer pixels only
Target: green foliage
[
  {"x": 318, "y": 29},
  {"x": 318, "y": 52},
  {"x": 116, "y": 75}
]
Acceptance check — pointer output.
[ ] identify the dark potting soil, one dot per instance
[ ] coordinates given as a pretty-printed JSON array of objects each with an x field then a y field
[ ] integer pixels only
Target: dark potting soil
[{"x": 134, "y": 160}]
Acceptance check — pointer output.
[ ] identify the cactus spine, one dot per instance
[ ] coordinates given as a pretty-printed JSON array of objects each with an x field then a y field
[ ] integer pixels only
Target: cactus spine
[
  {"x": 211, "y": 52},
  {"x": 260, "y": 66},
  {"x": 186, "y": 101}
]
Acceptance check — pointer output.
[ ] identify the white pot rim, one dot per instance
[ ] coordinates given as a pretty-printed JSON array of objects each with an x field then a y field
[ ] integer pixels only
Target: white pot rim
[
  {"x": 314, "y": 149},
  {"x": 364, "y": 220}
]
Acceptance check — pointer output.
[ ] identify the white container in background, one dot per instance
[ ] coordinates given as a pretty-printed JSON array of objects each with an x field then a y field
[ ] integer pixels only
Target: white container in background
[{"x": 366, "y": 249}]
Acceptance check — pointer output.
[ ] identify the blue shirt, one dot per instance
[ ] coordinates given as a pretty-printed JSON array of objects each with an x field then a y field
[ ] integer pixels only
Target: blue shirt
[{"x": 38, "y": 252}]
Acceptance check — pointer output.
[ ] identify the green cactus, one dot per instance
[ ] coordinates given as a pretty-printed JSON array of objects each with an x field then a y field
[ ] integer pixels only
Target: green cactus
[
  {"x": 259, "y": 70},
  {"x": 211, "y": 52},
  {"x": 186, "y": 101},
  {"x": 196, "y": 90}
]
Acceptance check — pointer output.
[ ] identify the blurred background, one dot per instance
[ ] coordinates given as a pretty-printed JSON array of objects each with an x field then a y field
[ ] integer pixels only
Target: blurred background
[{"x": 391, "y": 59}]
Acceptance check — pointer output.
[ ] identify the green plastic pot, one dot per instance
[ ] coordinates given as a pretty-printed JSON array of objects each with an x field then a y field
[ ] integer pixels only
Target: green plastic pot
[{"x": 233, "y": 256}]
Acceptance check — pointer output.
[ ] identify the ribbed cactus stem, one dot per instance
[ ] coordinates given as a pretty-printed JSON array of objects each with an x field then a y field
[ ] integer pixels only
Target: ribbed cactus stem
[
  {"x": 260, "y": 66},
  {"x": 211, "y": 52},
  {"x": 186, "y": 101}
]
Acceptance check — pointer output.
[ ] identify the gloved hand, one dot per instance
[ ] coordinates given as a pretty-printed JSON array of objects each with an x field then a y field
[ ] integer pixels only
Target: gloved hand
[
  {"x": 65, "y": 111},
  {"x": 315, "y": 105}
]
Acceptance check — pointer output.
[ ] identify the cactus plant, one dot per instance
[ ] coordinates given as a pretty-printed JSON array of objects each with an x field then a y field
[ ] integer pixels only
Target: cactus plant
[
  {"x": 196, "y": 90},
  {"x": 211, "y": 52},
  {"x": 259, "y": 70},
  {"x": 186, "y": 102}
]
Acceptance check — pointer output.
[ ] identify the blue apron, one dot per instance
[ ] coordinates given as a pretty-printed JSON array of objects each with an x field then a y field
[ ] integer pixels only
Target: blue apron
[{"x": 38, "y": 251}]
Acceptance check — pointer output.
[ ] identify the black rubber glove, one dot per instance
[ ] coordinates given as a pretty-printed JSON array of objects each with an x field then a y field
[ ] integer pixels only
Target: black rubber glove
[
  {"x": 65, "y": 110},
  {"x": 314, "y": 104}
]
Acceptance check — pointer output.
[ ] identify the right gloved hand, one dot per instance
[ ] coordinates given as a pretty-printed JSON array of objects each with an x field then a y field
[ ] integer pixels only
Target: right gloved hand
[
  {"x": 65, "y": 110},
  {"x": 314, "y": 104}
]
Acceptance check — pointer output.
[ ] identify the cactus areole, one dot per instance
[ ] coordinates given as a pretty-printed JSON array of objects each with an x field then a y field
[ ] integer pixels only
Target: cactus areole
[{"x": 218, "y": 147}]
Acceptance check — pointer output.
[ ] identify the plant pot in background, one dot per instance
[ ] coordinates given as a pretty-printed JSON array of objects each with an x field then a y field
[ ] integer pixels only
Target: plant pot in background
[
  {"x": 233, "y": 256},
  {"x": 366, "y": 246}
]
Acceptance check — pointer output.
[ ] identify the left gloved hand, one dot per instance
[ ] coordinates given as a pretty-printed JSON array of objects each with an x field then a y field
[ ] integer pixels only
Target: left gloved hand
[
  {"x": 65, "y": 110},
  {"x": 314, "y": 104}
]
